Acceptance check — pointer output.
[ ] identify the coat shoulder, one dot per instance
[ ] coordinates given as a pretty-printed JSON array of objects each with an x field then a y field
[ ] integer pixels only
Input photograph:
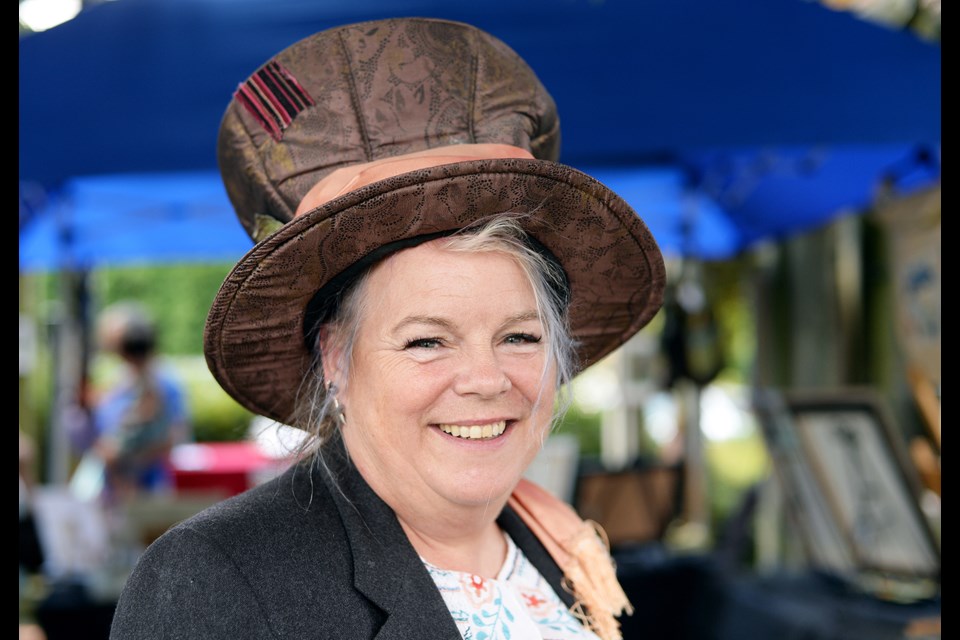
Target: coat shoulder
[{"x": 271, "y": 562}]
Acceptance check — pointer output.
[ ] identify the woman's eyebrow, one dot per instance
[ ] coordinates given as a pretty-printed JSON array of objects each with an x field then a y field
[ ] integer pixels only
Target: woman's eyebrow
[
  {"x": 441, "y": 323},
  {"x": 525, "y": 316}
]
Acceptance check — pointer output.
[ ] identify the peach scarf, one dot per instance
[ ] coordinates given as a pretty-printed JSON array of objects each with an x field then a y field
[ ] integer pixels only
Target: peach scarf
[{"x": 581, "y": 550}]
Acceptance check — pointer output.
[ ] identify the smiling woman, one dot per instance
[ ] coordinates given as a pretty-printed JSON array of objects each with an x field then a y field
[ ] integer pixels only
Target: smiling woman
[
  {"x": 447, "y": 399},
  {"x": 427, "y": 279}
]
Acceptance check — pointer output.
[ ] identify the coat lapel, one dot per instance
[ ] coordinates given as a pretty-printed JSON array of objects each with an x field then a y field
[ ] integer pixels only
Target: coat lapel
[{"x": 387, "y": 569}]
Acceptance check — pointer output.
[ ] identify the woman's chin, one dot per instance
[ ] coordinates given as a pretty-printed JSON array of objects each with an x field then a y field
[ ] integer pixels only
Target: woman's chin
[{"x": 477, "y": 487}]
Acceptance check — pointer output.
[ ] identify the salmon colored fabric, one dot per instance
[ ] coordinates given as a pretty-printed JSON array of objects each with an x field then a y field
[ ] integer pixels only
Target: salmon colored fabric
[
  {"x": 580, "y": 548},
  {"x": 355, "y": 176}
]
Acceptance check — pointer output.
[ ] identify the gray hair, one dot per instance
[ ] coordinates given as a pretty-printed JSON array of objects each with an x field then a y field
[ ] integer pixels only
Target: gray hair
[{"x": 318, "y": 410}]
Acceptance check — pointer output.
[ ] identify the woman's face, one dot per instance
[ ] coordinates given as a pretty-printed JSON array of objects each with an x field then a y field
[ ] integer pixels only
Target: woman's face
[{"x": 447, "y": 401}]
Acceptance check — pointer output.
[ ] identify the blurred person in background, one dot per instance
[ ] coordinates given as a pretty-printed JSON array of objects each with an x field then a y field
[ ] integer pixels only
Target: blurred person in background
[{"x": 142, "y": 416}]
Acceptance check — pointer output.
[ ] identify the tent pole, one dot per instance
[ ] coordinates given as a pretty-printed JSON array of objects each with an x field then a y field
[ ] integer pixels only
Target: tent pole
[{"x": 69, "y": 358}]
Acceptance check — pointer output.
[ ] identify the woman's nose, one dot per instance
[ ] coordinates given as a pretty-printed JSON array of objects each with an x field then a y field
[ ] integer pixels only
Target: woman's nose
[{"x": 481, "y": 374}]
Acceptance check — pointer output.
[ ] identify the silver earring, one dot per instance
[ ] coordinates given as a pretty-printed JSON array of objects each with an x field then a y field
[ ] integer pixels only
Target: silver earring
[{"x": 338, "y": 411}]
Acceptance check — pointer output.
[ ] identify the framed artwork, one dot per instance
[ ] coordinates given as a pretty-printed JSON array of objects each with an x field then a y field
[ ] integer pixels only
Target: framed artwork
[{"x": 849, "y": 482}]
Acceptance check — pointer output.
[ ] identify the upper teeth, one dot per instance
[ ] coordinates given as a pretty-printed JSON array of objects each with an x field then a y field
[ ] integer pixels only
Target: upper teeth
[{"x": 476, "y": 431}]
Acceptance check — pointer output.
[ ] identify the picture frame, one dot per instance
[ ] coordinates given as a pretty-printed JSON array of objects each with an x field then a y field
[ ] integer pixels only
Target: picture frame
[{"x": 851, "y": 489}]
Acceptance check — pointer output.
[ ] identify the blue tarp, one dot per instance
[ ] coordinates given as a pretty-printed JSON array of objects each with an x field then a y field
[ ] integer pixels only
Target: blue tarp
[
  {"x": 680, "y": 94},
  {"x": 128, "y": 219}
]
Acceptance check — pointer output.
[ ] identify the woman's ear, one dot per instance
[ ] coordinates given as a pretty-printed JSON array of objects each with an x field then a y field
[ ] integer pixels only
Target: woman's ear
[{"x": 331, "y": 356}]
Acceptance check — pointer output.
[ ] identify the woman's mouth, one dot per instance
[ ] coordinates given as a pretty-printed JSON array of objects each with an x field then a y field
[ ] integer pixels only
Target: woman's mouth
[{"x": 475, "y": 431}]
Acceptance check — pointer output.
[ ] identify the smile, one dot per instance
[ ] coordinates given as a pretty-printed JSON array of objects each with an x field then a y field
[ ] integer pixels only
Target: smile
[{"x": 476, "y": 431}]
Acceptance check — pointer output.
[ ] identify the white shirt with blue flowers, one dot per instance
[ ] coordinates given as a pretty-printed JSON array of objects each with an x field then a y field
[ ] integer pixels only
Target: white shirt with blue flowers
[{"x": 518, "y": 604}]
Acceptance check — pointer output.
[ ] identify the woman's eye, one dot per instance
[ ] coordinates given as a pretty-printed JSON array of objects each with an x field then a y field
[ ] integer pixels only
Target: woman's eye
[
  {"x": 522, "y": 338},
  {"x": 424, "y": 343}
]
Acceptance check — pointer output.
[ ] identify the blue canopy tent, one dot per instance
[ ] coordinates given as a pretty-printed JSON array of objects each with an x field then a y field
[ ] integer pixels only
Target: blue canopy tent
[{"x": 653, "y": 96}]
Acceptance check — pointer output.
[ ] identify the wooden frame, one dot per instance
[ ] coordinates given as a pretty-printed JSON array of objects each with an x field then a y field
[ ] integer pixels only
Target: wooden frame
[{"x": 850, "y": 485}]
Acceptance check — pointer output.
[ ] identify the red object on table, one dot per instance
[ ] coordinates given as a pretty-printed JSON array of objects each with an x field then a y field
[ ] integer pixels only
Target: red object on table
[{"x": 222, "y": 467}]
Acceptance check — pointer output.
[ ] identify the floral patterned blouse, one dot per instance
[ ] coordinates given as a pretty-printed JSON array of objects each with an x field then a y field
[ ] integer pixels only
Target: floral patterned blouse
[{"x": 518, "y": 604}]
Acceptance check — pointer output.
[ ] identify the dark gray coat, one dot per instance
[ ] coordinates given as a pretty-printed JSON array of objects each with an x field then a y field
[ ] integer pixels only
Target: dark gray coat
[{"x": 296, "y": 558}]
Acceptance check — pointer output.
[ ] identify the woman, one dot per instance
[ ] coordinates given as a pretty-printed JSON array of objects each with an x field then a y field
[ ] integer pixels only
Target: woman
[{"x": 426, "y": 279}]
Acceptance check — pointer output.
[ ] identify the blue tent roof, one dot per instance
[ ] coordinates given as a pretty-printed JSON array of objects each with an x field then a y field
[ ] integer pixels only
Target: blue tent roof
[
  {"x": 134, "y": 218},
  {"x": 139, "y": 86}
]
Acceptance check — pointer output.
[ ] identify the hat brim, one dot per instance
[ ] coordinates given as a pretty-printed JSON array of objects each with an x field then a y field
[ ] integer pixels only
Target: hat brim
[{"x": 254, "y": 341}]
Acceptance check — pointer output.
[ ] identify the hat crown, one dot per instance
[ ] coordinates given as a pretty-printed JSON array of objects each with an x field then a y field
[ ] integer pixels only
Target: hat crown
[{"x": 369, "y": 91}]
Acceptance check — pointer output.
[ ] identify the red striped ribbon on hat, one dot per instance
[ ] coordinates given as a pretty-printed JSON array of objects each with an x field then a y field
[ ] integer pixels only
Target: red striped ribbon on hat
[{"x": 274, "y": 97}]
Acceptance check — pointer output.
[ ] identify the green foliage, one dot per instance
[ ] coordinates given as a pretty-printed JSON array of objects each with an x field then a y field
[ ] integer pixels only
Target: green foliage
[
  {"x": 733, "y": 466},
  {"x": 727, "y": 283},
  {"x": 178, "y": 297},
  {"x": 585, "y": 426}
]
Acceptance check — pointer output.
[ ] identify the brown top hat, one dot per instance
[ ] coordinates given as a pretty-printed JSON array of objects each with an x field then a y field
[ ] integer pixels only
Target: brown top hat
[{"x": 368, "y": 138}]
